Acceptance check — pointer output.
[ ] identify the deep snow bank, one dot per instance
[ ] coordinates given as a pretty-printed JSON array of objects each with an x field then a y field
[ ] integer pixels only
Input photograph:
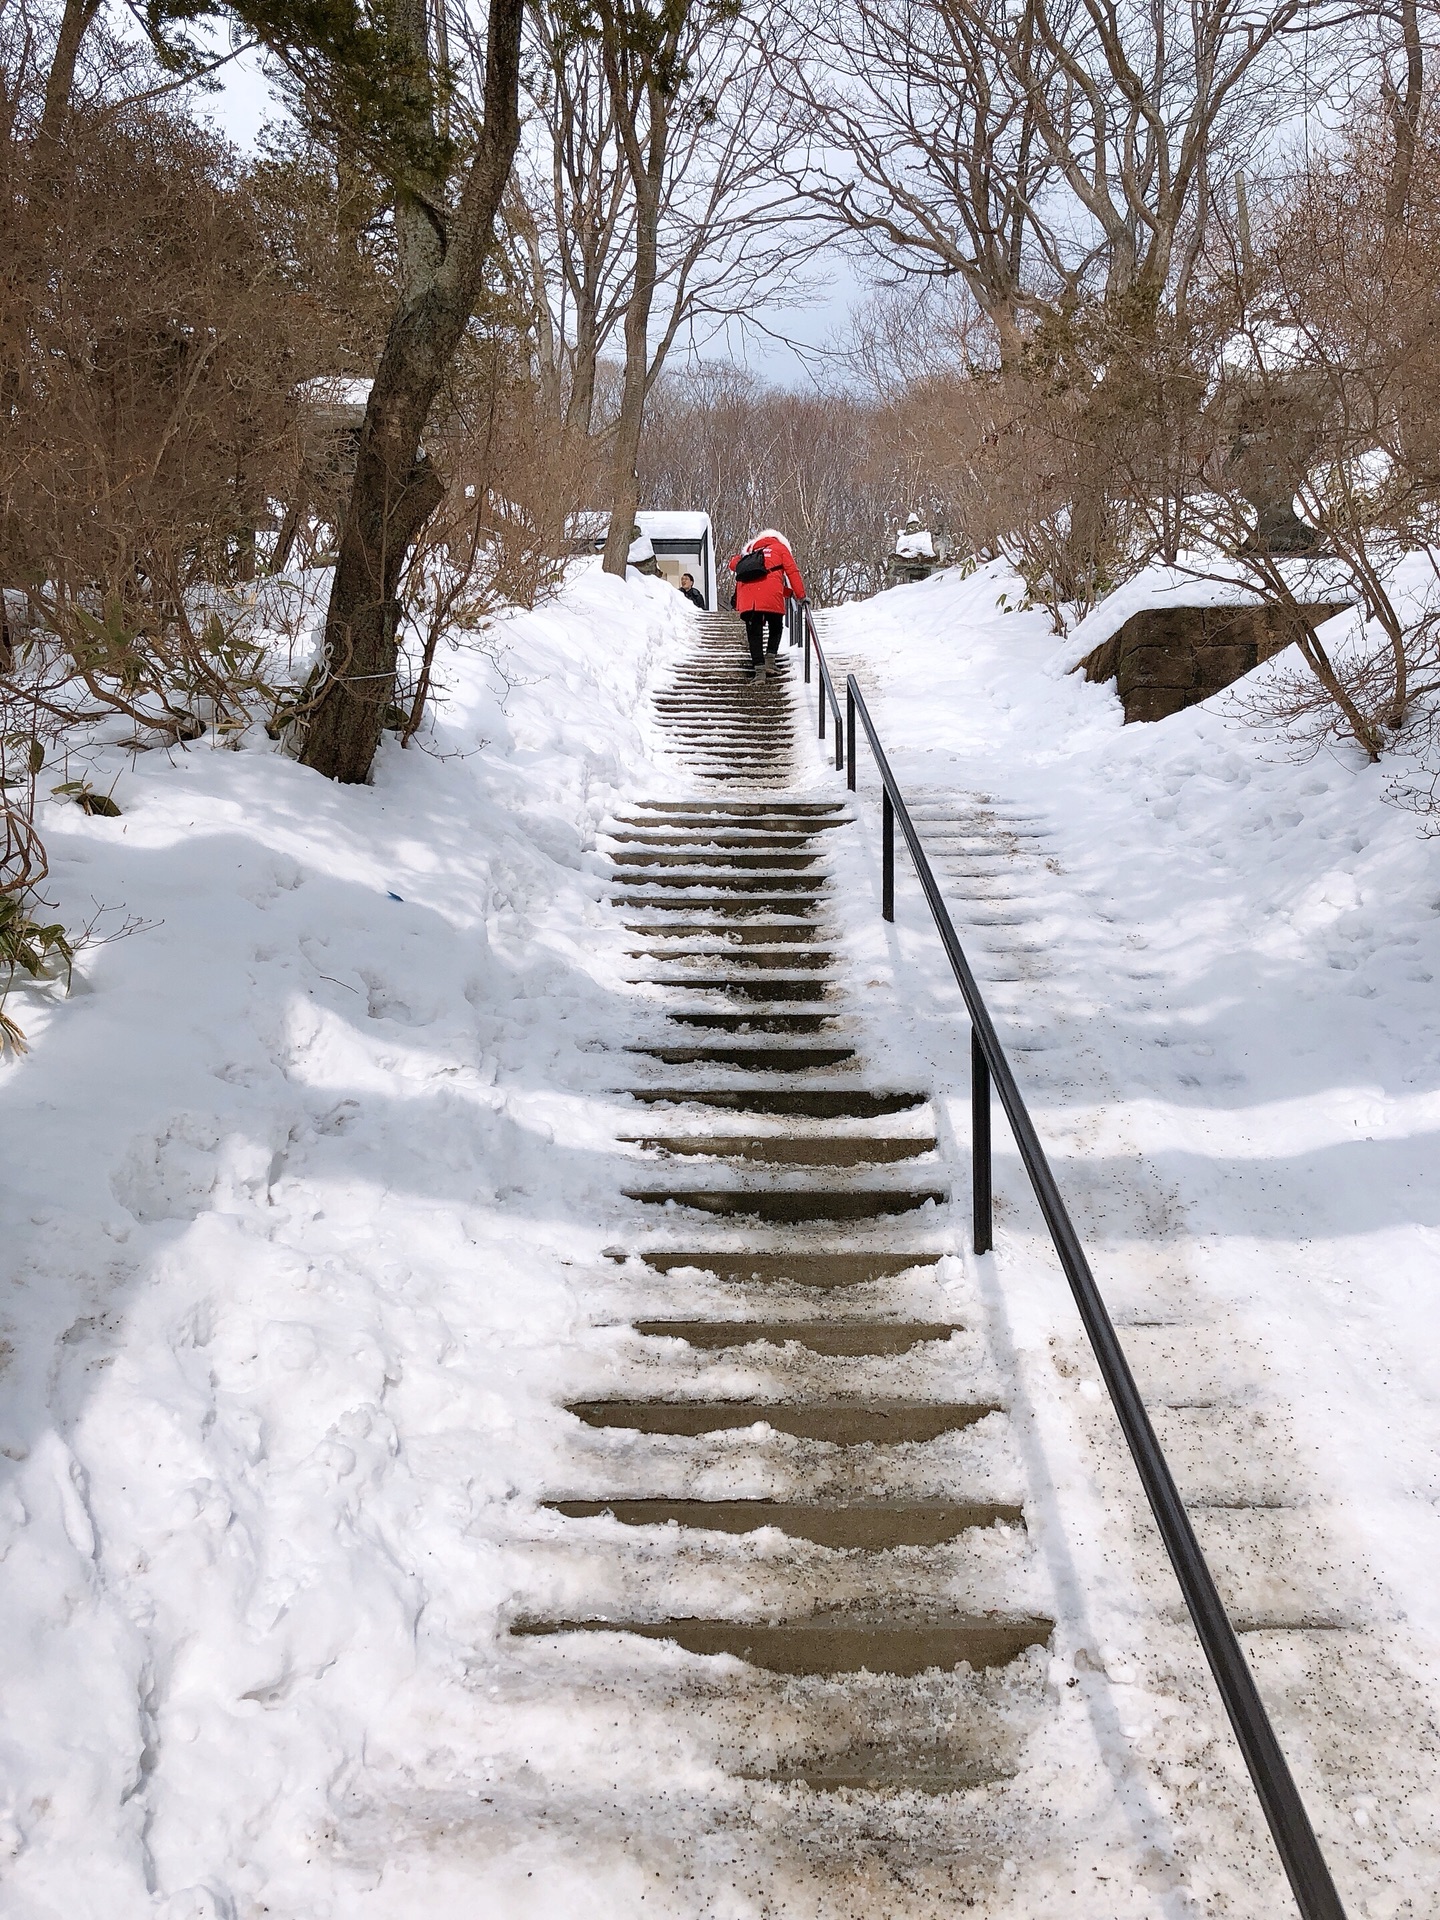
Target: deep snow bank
[{"x": 284, "y": 1228}]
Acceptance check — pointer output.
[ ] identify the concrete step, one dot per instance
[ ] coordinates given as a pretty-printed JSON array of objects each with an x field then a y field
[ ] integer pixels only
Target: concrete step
[
  {"x": 839, "y": 1338},
  {"x": 717, "y": 840},
  {"x": 838, "y": 1423},
  {"x": 793, "y": 1204},
  {"x": 758, "y": 1020},
  {"x": 789, "y": 1150},
  {"x": 723, "y": 906},
  {"x": 810, "y": 992},
  {"x": 756, "y": 1059},
  {"x": 744, "y": 829},
  {"x": 807, "y": 810},
  {"x": 874, "y": 1526},
  {"x": 724, "y": 952},
  {"x": 752, "y": 933},
  {"x": 809, "y": 1103},
  {"x": 731, "y": 859},
  {"x": 832, "y": 1647},
  {"x": 821, "y": 1269},
  {"x": 735, "y": 881}
]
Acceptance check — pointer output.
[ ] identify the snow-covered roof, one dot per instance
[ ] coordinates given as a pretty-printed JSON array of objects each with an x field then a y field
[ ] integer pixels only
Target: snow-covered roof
[
  {"x": 336, "y": 390},
  {"x": 664, "y": 525},
  {"x": 593, "y": 523},
  {"x": 915, "y": 546}
]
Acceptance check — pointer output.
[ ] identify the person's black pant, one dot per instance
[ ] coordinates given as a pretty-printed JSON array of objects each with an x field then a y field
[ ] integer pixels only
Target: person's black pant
[{"x": 755, "y": 634}]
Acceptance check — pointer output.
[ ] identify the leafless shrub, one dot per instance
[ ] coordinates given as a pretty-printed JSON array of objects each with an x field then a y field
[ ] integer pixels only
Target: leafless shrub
[
  {"x": 151, "y": 417},
  {"x": 498, "y": 536}
]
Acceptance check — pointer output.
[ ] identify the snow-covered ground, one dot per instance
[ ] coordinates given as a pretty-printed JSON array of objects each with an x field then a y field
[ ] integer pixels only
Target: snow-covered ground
[
  {"x": 1216, "y": 970},
  {"x": 289, "y": 1187},
  {"x": 305, "y": 1192}
]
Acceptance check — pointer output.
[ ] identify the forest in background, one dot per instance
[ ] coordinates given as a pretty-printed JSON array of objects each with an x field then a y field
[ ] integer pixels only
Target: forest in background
[{"x": 1150, "y": 283}]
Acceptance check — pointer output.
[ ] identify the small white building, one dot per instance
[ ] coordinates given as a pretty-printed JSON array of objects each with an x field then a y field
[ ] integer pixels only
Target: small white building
[
  {"x": 683, "y": 543},
  {"x": 679, "y": 542}
]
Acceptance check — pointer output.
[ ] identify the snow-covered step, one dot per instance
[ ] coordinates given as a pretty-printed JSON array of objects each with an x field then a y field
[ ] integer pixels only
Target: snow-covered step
[
  {"x": 809, "y": 1102},
  {"x": 702, "y": 865},
  {"x": 708, "y": 858},
  {"x": 732, "y": 904},
  {"x": 770, "y": 987},
  {"x": 769, "y": 810},
  {"x": 743, "y": 929},
  {"x": 745, "y": 1565},
  {"x": 810, "y": 1267},
  {"x": 753, "y": 1058},
  {"x": 838, "y": 1423},
  {"x": 772, "y": 1018},
  {"x": 753, "y": 957},
  {"x": 731, "y": 837}
]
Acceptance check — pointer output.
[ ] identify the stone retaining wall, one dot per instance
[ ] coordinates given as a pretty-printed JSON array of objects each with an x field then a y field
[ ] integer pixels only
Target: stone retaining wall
[{"x": 1172, "y": 657}]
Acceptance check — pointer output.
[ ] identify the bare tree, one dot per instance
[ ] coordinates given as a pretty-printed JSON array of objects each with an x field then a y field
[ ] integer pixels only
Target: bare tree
[
  {"x": 645, "y": 212},
  {"x": 1330, "y": 373},
  {"x": 379, "y": 81},
  {"x": 820, "y": 466},
  {"x": 923, "y": 147}
]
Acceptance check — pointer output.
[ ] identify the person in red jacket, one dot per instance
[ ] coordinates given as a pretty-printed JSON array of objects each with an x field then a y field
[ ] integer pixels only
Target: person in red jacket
[{"x": 761, "y": 603}]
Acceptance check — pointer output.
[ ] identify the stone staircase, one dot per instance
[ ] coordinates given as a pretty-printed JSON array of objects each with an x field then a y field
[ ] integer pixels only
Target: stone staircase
[{"x": 806, "y": 1406}]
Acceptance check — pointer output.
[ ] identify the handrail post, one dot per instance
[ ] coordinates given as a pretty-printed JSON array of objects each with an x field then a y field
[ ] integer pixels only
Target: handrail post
[
  {"x": 807, "y": 653},
  {"x": 850, "y": 739},
  {"x": 887, "y": 857},
  {"x": 980, "y": 1163},
  {"x": 839, "y": 740},
  {"x": 821, "y": 704}
]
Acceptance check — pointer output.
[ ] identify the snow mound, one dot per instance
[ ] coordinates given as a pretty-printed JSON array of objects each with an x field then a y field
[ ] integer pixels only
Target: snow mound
[{"x": 292, "y": 1245}]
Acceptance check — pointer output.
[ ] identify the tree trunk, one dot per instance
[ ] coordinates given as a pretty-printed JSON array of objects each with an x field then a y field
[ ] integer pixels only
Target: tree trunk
[
  {"x": 1403, "y": 105},
  {"x": 394, "y": 492},
  {"x": 648, "y": 176},
  {"x": 625, "y": 459},
  {"x": 75, "y": 23},
  {"x": 395, "y": 489}
]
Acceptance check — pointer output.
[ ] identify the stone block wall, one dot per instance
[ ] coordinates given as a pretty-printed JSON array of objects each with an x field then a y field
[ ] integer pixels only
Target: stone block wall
[{"x": 1172, "y": 657}]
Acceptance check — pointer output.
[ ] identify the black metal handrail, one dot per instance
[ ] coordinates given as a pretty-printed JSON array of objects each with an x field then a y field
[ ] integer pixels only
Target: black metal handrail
[
  {"x": 801, "y": 625},
  {"x": 1289, "y": 1824}
]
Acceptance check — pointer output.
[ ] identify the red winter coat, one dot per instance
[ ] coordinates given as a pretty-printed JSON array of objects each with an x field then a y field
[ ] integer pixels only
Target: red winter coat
[{"x": 768, "y": 595}]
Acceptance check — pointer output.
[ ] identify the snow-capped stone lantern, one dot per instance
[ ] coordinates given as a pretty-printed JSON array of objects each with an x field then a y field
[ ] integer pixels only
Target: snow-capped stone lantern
[{"x": 916, "y": 553}]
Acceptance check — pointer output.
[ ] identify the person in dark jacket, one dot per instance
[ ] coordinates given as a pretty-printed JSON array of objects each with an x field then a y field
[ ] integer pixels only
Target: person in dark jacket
[
  {"x": 761, "y": 603},
  {"x": 691, "y": 591}
]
